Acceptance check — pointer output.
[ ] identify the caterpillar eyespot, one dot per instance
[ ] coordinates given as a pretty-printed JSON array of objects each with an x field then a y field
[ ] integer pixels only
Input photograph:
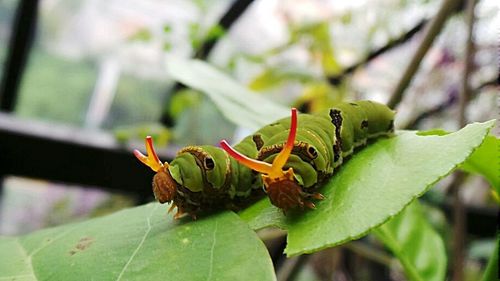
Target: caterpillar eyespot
[
  {"x": 208, "y": 163},
  {"x": 287, "y": 159}
]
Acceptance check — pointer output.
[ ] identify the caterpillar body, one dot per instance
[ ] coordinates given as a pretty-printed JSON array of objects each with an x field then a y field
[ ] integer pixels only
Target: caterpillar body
[{"x": 292, "y": 160}]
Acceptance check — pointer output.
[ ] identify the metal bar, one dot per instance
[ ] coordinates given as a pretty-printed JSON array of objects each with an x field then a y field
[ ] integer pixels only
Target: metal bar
[{"x": 67, "y": 154}]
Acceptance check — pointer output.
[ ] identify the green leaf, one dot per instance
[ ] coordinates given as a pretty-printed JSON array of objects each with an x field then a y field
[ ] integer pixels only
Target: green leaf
[
  {"x": 484, "y": 161},
  {"x": 274, "y": 77},
  {"x": 237, "y": 103},
  {"x": 142, "y": 35},
  {"x": 371, "y": 187},
  {"x": 491, "y": 273},
  {"x": 215, "y": 32},
  {"x": 142, "y": 243},
  {"x": 414, "y": 242}
]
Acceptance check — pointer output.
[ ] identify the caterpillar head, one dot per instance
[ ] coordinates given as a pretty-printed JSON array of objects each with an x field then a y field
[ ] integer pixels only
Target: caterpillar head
[
  {"x": 164, "y": 186},
  {"x": 283, "y": 189}
]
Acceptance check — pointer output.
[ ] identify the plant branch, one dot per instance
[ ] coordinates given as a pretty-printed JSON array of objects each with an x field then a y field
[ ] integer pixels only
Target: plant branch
[
  {"x": 291, "y": 267},
  {"x": 335, "y": 79},
  {"x": 226, "y": 21},
  {"x": 369, "y": 252},
  {"x": 434, "y": 28},
  {"x": 460, "y": 222},
  {"x": 458, "y": 212},
  {"x": 491, "y": 83},
  {"x": 449, "y": 102},
  {"x": 446, "y": 104}
]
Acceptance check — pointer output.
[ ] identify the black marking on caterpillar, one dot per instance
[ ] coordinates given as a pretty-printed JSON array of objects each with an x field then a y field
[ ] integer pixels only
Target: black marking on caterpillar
[
  {"x": 203, "y": 178},
  {"x": 337, "y": 122}
]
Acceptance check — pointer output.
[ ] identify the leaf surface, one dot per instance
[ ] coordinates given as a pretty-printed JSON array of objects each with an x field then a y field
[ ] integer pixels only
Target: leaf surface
[
  {"x": 414, "y": 242},
  {"x": 485, "y": 161},
  {"x": 239, "y": 104},
  {"x": 142, "y": 243},
  {"x": 371, "y": 187}
]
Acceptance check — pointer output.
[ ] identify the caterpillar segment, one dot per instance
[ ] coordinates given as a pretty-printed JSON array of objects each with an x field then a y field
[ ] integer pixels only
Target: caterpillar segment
[
  {"x": 199, "y": 179},
  {"x": 287, "y": 160},
  {"x": 313, "y": 150}
]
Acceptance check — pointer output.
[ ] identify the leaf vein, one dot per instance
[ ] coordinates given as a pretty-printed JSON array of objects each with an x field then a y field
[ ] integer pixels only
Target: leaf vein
[
  {"x": 148, "y": 229},
  {"x": 28, "y": 258},
  {"x": 212, "y": 250}
]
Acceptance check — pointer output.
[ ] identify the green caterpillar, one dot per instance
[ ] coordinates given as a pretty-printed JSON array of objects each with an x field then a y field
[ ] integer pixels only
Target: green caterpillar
[{"x": 292, "y": 160}]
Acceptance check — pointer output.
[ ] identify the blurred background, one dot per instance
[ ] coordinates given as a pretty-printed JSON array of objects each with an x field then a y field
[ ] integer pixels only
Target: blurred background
[{"x": 83, "y": 81}]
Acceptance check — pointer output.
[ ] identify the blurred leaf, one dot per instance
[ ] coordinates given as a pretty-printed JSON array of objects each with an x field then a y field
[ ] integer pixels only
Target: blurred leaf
[
  {"x": 167, "y": 28},
  {"x": 481, "y": 248},
  {"x": 237, "y": 103},
  {"x": 269, "y": 78},
  {"x": 319, "y": 96},
  {"x": 371, "y": 187},
  {"x": 142, "y": 243},
  {"x": 167, "y": 46},
  {"x": 273, "y": 77},
  {"x": 414, "y": 242},
  {"x": 346, "y": 17},
  {"x": 491, "y": 273},
  {"x": 194, "y": 37},
  {"x": 141, "y": 35},
  {"x": 160, "y": 134},
  {"x": 321, "y": 46},
  {"x": 485, "y": 161},
  {"x": 202, "y": 123},
  {"x": 215, "y": 32},
  {"x": 183, "y": 100}
]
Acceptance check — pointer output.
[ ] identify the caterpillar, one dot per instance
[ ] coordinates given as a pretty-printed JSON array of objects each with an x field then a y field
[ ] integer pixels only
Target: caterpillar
[{"x": 287, "y": 160}]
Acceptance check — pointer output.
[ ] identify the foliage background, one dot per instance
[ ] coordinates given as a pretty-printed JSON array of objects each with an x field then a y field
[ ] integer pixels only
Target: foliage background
[{"x": 298, "y": 54}]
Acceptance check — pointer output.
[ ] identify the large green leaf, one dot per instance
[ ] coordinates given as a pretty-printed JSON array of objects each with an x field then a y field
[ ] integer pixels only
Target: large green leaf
[
  {"x": 240, "y": 105},
  {"x": 142, "y": 243},
  {"x": 414, "y": 242},
  {"x": 371, "y": 187},
  {"x": 484, "y": 161}
]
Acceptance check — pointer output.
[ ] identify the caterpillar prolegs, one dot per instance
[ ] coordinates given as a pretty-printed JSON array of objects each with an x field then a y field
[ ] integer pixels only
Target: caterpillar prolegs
[{"x": 288, "y": 159}]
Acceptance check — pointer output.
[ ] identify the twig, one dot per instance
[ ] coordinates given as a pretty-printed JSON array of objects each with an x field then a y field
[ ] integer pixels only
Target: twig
[
  {"x": 458, "y": 240},
  {"x": 491, "y": 83},
  {"x": 289, "y": 270},
  {"x": 460, "y": 222},
  {"x": 369, "y": 252},
  {"x": 469, "y": 62},
  {"x": 226, "y": 21},
  {"x": 431, "y": 32},
  {"x": 335, "y": 79},
  {"x": 448, "y": 103}
]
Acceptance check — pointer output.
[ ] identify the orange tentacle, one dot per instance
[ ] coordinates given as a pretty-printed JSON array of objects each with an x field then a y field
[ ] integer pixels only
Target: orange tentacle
[
  {"x": 282, "y": 157},
  {"x": 152, "y": 159},
  {"x": 274, "y": 170},
  {"x": 256, "y": 165}
]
